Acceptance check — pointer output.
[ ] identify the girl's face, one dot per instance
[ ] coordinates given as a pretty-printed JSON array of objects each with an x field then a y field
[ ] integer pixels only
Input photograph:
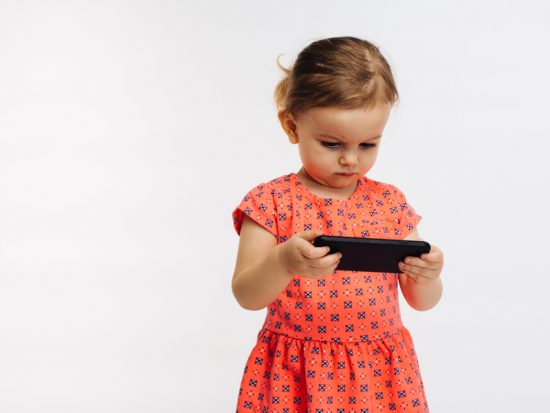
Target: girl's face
[{"x": 334, "y": 142}]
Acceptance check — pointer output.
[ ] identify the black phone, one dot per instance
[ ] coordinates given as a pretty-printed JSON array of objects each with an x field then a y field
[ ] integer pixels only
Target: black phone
[{"x": 372, "y": 254}]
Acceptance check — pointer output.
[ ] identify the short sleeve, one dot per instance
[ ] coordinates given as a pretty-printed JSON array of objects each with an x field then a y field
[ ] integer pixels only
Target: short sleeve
[
  {"x": 258, "y": 204},
  {"x": 407, "y": 217}
]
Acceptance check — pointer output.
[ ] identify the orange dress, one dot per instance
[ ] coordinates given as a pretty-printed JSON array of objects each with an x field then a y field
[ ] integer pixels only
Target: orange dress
[{"x": 334, "y": 344}]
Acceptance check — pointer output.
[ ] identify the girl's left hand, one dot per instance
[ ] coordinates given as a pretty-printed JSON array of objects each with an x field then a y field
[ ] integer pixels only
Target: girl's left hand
[{"x": 425, "y": 268}]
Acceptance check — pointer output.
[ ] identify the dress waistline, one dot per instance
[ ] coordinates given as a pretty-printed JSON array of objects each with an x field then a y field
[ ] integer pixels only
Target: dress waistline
[{"x": 345, "y": 337}]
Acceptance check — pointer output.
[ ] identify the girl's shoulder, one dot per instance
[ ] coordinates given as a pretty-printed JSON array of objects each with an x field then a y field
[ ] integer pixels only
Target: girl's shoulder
[
  {"x": 392, "y": 197},
  {"x": 263, "y": 203},
  {"x": 274, "y": 185},
  {"x": 382, "y": 188}
]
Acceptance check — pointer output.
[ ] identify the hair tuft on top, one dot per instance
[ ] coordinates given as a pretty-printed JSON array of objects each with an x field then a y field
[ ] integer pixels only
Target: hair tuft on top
[{"x": 344, "y": 72}]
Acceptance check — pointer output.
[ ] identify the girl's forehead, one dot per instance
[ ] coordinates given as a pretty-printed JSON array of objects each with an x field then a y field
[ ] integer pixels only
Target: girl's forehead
[{"x": 371, "y": 120}]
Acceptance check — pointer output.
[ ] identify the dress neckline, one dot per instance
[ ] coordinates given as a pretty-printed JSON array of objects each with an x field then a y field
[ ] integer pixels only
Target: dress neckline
[{"x": 306, "y": 191}]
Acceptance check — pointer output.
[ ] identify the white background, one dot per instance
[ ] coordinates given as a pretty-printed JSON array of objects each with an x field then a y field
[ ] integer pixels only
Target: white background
[{"x": 130, "y": 130}]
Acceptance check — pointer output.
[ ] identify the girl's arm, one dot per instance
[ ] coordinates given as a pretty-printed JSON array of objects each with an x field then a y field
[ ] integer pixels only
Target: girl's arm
[
  {"x": 259, "y": 275},
  {"x": 419, "y": 280}
]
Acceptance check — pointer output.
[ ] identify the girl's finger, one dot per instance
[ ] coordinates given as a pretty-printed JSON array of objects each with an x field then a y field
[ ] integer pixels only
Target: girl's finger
[
  {"x": 320, "y": 252},
  {"x": 310, "y": 251},
  {"x": 411, "y": 269},
  {"x": 420, "y": 263},
  {"x": 330, "y": 259},
  {"x": 417, "y": 278},
  {"x": 435, "y": 255}
]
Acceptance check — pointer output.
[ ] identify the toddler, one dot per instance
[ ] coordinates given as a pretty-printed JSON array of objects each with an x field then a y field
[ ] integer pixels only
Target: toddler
[{"x": 332, "y": 341}]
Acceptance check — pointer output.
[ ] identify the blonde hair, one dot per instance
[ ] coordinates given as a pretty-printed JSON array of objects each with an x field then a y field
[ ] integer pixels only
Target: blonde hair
[{"x": 343, "y": 72}]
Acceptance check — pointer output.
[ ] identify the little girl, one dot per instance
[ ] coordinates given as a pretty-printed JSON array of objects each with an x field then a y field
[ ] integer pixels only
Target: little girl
[{"x": 332, "y": 341}]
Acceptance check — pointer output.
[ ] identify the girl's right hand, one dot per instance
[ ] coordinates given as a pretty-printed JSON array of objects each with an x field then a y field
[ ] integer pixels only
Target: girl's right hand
[{"x": 301, "y": 257}]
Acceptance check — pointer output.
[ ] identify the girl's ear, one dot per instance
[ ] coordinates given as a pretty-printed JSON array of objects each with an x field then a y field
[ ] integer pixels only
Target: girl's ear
[{"x": 288, "y": 122}]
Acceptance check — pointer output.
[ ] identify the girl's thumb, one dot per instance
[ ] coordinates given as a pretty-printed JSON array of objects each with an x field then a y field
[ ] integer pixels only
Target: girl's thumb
[{"x": 310, "y": 235}]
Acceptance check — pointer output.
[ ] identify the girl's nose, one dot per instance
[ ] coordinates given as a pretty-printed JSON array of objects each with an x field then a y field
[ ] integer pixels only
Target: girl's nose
[{"x": 348, "y": 158}]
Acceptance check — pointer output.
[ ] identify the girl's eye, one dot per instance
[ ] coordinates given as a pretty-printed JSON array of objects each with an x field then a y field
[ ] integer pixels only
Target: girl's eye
[
  {"x": 336, "y": 144},
  {"x": 330, "y": 144}
]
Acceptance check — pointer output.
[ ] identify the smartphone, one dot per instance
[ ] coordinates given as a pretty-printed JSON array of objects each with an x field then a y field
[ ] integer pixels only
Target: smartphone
[{"x": 372, "y": 254}]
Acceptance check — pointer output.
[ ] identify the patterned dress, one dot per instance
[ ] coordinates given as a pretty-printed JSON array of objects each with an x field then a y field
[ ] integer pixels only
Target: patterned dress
[{"x": 334, "y": 344}]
